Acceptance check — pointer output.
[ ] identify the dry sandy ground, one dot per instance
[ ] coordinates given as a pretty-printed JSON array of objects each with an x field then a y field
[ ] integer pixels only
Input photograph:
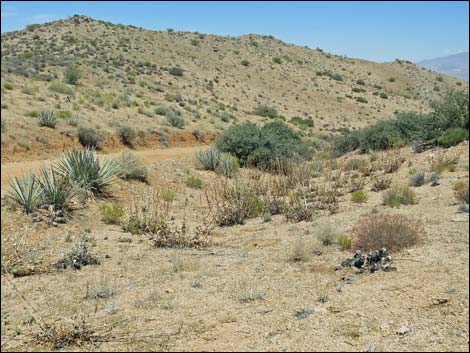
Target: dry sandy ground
[{"x": 170, "y": 299}]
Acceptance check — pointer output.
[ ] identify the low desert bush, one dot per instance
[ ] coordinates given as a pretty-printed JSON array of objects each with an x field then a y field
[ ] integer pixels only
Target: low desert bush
[
  {"x": 194, "y": 182},
  {"x": 208, "y": 159},
  {"x": 71, "y": 75},
  {"x": 174, "y": 119},
  {"x": 344, "y": 242},
  {"x": 417, "y": 179},
  {"x": 111, "y": 213},
  {"x": 399, "y": 195},
  {"x": 131, "y": 167},
  {"x": 228, "y": 165},
  {"x": 326, "y": 233},
  {"x": 393, "y": 232},
  {"x": 127, "y": 135},
  {"x": 461, "y": 193},
  {"x": 452, "y": 137},
  {"x": 89, "y": 137},
  {"x": 359, "y": 196},
  {"x": 381, "y": 182}
]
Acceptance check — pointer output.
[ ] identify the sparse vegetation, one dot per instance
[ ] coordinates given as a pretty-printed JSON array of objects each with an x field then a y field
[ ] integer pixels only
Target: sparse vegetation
[
  {"x": 131, "y": 167},
  {"x": 89, "y": 137},
  {"x": 47, "y": 119},
  {"x": 399, "y": 195},
  {"x": 111, "y": 213}
]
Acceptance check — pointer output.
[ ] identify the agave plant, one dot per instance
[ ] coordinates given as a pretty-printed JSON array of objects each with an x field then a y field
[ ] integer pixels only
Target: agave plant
[
  {"x": 48, "y": 119},
  {"x": 26, "y": 192},
  {"x": 56, "y": 190},
  {"x": 209, "y": 159},
  {"x": 83, "y": 169}
]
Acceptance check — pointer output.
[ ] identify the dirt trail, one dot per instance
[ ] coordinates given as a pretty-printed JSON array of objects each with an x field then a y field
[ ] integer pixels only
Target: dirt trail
[{"x": 10, "y": 170}]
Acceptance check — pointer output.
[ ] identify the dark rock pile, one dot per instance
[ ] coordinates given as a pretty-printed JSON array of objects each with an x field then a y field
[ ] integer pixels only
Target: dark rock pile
[{"x": 376, "y": 260}]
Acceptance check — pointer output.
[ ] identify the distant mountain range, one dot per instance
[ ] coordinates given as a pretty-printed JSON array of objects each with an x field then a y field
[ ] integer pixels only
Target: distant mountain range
[{"x": 453, "y": 65}]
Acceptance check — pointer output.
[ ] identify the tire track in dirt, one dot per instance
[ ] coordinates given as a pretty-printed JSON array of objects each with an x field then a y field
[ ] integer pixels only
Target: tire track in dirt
[{"x": 18, "y": 169}]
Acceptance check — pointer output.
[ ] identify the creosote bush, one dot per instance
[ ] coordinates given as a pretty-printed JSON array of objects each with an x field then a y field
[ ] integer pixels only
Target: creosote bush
[
  {"x": 391, "y": 231},
  {"x": 131, "y": 167},
  {"x": 399, "y": 195},
  {"x": 127, "y": 135},
  {"x": 89, "y": 137}
]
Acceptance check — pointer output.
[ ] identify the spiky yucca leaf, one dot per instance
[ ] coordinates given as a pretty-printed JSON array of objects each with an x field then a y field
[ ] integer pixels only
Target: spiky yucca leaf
[
  {"x": 48, "y": 119},
  {"x": 82, "y": 168},
  {"x": 26, "y": 192},
  {"x": 56, "y": 190}
]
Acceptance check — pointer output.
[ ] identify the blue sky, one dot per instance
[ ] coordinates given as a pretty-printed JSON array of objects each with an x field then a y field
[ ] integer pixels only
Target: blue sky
[{"x": 378, "y": 31}]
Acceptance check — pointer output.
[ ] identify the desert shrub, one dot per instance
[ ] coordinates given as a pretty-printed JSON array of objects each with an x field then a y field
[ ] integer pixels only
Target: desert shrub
[
  {"x": 174, "y": 119},
  {"x": 399, "y": 195},
  {"x": 452, "y": 137},
  {"x": 326, "y": 233},
  {"x": 391, "y": 79},
  {"x": 61, "y": 87},
  {"x": 359, "y": 196},
  {"x": 78, "y": 257},
  {"x": 381, "y": 182},
  {"x": 228, "y": 165},
  {"x": 267, "y": 147},
  {"x": 83, "y": 169},
  {"x": 393, "y": 232},
  {"x": 127, "y": 135},
  {"x": 344, "y": 242},
  {"x": 176, "y": 71},
  {"x": 149, "y": 214},
  {"x": 461, "y": 193},
  {"x": 48, "y": 119},
  {"x": 443, "y": 163},
  {"x": 194, "y": 182},
  {"x": 361, "y": 100},
  {"x": 8, "y": 86},
  {"x": 245, "y": 62},
  {"x": 383, "y": 95},
  {"x": 111, "y": 213},
  {"x": 302, "y": 123},
  {"x": 417, "y": 179},
  {"x": 26, "y": 192},
  {"x": 266, "y": 111},
  {"x": 298, "y": 208},
  {"x": 89, "y": 137},
  {"x": 71, "y": 75},
  {"x": 72, "y": 120},
  {"x": 131, "y": 167},
  {"x": 298, "y": 252},
  {"x": 56, "y": 191},
  {"x": 277, "y": 60},
  {"x": 208, "y": 159},
  {"x": 160, "y": 110},
  {"x": 358, "y": 90}
]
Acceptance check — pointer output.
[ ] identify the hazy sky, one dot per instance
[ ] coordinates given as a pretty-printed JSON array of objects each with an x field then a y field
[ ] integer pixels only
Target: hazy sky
[{"x": 378, "y": 31}]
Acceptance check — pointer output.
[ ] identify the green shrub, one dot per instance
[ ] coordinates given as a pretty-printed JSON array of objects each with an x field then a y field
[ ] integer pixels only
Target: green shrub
[
  {"x": 127, "y": 135},
  {"x": 26, "y": 192},
  {"x": 8, "y": 86},
  {"x": 161, "y": 110},
  {"x": 72, "y": 120},
  {"x": 390, "y": 231},
  {"x": 391, "y": 79},
  {"x": 453, "y": 136},
  {"x": 174, "y": 119},
  {"x": 89, "y": 137},
  {"x": 111, "y": 213},
  {"x": 344, "y": 242},
  {"x": 359, "y": 196},
  {"x": 61, "y": 87},
  {"x": 194, "y": 182},
  {"x": 83, "y": 169},
  {"x": 48, "y": 119},
  {"x": 245, "y": 62},
  {"x": 131, "y": 167},
  {"x": 265, "y": 111},
  {"x": 71, "y": 75},
  {"x": 228, "y": 165},
  {"x": 358, "y": 90},
  {"x": 64, "y": 114},
  {"x": 277, "y": 60},
  {"x": 361, "y": 100},
  {"x": 268, "y": 147},
  {"x": 360, "y": 82},
  {"x": 56, "y": 191},
  {"x": 383, "y": 95},
  {"x": 209, "y": 159},
  {"x": 399, "y": 195},
  {"x": 417, "y": 179},
  {"x": 302, "y": 123},
  {"x": 176, "y": 71}
]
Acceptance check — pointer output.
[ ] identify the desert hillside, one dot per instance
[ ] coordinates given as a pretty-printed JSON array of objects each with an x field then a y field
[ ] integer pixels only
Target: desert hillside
[{"x": 131, "y": 77}]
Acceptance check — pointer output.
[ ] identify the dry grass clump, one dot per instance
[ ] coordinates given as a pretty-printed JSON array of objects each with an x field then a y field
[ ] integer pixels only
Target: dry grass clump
[
  {"x": 111, "y": 213},
  {"x": 399, "y": 195},
  {"x": 394, "y": 232},
  {"x": 461, "y": 193},
  {"x": 392, "y": 162},
  {"x": 381, "y": 182},
  {"x": 151, "y": 214}
]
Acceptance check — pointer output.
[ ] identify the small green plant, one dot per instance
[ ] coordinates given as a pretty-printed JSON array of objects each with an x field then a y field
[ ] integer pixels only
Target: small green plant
[
  {"x": 160, "y": 110},
  {"x": 360, "y": 82},
  {"x": 245, "y": 62},
  {"x": 228, "y": 165},
  {"x": 383, "y": 95},
  {"x": 265, "y": 111},
  {"x": 8, "y": 86},
  {"x": 359, "y": 196},
  {"x": 111, "y": 213},
  {"x": 453, "y": 136},
  {"x": 89, "y": 137},
  {"x": 72, "y": 120},
  {"x": 131, "y": 167},
  {"x": 194, "y": 182},
  {"x": 277, "y": 60},
  {"x": 168, "y": 195},
  {"x": 209, "y": 159},
  {"x": 127, "y": 135},
  {"x": 417, "y": 179},
  {"x": 391, "y": 79},
  {"x": 399, "y": 195},
  {"x": 176, "y": 71},
  {"x": 48, "y": 119},
  {"x": 26, "y": 192},
  {"x": 79, "y": 256},
  {"x": 61, "y": 87},
  {"x": 71, "y": 75},
  {"x": 344, "y": 242}
]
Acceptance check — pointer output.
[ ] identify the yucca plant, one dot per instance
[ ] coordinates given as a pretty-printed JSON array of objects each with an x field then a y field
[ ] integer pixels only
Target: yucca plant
[
  {"x": 56, "y": 190},
  {"x": 72, "y": 120},
  {"x": 48, "y": 119},
  {"x": 209, "y": 159},
  {"x": 26, "y": 192},
  {"x": 83, "y": 169}
]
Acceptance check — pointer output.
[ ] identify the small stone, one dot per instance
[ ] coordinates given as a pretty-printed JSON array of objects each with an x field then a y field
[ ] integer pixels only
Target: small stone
[{"x": 403, "y": 330}]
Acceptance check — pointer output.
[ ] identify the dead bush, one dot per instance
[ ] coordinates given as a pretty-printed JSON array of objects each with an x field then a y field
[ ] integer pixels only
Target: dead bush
[
  {"x": 381, "y": 182},
  {"x": 393, "y": 232}
]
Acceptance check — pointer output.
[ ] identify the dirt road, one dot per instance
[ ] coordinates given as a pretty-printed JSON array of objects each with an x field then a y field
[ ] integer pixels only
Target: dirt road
[{"x": 10, "y": 170}]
